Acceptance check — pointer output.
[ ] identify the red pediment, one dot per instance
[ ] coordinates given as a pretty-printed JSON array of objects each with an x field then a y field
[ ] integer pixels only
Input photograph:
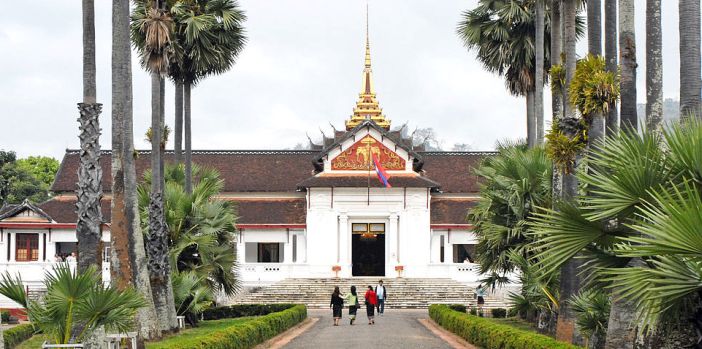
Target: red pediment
[{"x": 359, "y": 156}]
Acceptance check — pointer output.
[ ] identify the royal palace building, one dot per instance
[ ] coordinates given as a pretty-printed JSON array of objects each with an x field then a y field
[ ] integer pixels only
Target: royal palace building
[{"x": 301, "y": 213}]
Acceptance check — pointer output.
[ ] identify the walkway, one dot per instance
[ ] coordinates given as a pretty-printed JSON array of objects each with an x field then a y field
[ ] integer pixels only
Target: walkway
[{"x": 396, "y": 329}]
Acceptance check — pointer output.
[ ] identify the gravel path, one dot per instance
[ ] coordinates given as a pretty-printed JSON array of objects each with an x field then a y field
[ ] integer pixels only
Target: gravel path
[{"x": 396, "y": 329}]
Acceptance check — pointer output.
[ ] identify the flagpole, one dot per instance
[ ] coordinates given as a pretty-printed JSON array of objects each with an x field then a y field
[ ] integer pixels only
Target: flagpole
[{"x": 369, "y": 166}]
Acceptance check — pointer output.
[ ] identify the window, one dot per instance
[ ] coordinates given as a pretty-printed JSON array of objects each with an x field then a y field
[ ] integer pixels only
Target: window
[
  {"x": 441, "y": 249},
  {"x": 106, "y": 253},
  {"x": 464, "y": 253},
  {"x": 27, "y": 247},
  {"x": 269, "y": 253},
  {"x": 294, "y": 248}
]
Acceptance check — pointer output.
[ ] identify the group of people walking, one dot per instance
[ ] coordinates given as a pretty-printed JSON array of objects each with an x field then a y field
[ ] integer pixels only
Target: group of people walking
[{"x": 374, "y": 299}]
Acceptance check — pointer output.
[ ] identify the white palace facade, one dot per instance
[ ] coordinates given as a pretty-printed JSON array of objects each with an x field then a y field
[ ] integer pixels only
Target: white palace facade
[{"x": 302, "y": 213}]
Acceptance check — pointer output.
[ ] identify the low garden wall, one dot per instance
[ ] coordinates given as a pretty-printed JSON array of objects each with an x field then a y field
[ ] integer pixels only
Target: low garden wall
[
  {"x": 274, "y": 320},
  {"x": 487, "y": 334}
]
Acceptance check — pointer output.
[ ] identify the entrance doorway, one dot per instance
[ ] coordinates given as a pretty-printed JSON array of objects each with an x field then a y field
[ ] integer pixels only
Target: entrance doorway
[{"x": 368, "y": 249}]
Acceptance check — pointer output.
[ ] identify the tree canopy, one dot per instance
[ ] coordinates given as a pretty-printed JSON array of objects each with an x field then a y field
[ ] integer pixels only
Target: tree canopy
[{"x": 28, "y": 178}]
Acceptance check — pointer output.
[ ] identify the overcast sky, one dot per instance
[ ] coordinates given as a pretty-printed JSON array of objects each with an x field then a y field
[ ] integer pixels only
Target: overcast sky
[{"x": 300, "y": 71}]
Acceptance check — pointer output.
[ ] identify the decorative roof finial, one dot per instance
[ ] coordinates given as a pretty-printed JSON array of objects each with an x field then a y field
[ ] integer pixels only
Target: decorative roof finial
[{"x": 367, "y": 106}]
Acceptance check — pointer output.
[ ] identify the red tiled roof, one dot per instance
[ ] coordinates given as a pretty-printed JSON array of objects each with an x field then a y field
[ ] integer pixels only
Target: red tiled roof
[
  {"x": 284, "y": 171},
  {"x": 271, "y": 211},
  {"x": 258, "y": 211},
  {"x": 242, "y": 171},
  {"x": 63, "y": 209},
  {"x": 454, "y": 170},
  {"x": 450, "y": 211}
]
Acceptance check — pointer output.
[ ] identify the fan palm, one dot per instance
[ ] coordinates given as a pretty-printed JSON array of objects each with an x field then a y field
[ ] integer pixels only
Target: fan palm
[
  {"x": 201, "y": 228},
  {"x": 209, "y": 35},
  {"x": 503, "y": 35},
  {"x": 591, "y": 310},
  {"x": 192, "y": 294},
  {"x": 644, "y": 205},
  {"x": 75, "y": 305},
  {"x": 514, "y": 182}
]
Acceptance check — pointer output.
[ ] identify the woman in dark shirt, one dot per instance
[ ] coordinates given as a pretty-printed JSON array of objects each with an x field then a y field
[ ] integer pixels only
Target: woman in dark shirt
[{"x": 337, "y": 304}]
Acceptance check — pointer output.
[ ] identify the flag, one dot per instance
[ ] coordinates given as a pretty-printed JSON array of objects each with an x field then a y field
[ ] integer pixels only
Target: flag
[{"x": 382, "y": 175}]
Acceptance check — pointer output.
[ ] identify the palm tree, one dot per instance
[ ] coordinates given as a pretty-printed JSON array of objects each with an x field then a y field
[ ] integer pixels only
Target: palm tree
[
  {"x": 611, "y": 56},
  {"x": 654, "y": 65},
  {"x": 650, "y": 184},
  {"x": 76, "y": 304},
  {"x": 208, "y": 37},
  {"x": 594, "y": 27},
  {"x": 627, "y": 51},
  {"x": 502, "y": 33},
  {"x": 89, "y": 193},
  {"x": 539, "y": 70},
  {"x": 592, "y": 308},
  {"x": 151, "y": 30},
  {"x": 690, "y": 61},
  {"x": 556, "y": 50},
  {"x": 201, "y": 227},
  {"x": 127, "y": 242},
  {"x": 192, "y": 295}
]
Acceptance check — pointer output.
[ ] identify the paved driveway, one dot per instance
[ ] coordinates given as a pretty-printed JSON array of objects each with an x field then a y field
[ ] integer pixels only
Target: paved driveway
[{"x": 396, "y": 329}]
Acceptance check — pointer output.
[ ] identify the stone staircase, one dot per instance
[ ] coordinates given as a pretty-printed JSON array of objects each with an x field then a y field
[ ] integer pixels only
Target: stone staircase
[{"x": 403, "y": 293}]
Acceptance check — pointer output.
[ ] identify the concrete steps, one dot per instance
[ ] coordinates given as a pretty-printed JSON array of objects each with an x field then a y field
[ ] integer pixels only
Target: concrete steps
[{"x": 402, "y": 293}]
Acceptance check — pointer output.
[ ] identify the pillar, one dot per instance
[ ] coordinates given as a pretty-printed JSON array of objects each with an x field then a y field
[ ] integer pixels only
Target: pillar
[
  {"x": 393, "y": 239},
  {"x": 343, "y": 244},
  {"x": 287, "y": 249}
]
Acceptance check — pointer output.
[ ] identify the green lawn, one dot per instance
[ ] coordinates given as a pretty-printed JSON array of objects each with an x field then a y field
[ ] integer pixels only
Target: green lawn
[
  {"x": 32, "y": 343},
  {"x": 516, "y": 323},
  {"x": 204, "y": 328}
]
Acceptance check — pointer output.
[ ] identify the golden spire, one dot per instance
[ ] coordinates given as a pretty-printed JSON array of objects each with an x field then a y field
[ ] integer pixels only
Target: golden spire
[{"x": 367, "y": 106}]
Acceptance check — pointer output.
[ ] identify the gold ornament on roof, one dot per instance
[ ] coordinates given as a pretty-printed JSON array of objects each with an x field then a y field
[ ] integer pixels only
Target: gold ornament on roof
[{"x": 367, "y": 106}]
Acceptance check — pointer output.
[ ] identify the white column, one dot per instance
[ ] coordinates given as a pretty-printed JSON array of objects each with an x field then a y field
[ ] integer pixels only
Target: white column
[
  {"x": 393, "y": 239},
  {"x": 240, "y": 248},
  {"x": 448, "y": 248},
  {"x": 13, "y": 244},
  {"x": 287, "y": 249},
  {"x": 3, "y": 246},
  {"x": 343, "y": 244},
  {"x": 41, "y": 248}
]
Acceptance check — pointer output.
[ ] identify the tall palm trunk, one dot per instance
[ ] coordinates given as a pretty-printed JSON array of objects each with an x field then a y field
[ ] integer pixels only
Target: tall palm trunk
[
  {"x": 128, "y": 255},
  {"x": 570, "y": 279},
  {"x": 627, "y": 51},
  {"x": 157, "y": 239},
  {"x": 611, "y": 56},
  {"x": 89, "y": 173},
  {"x": 654, "y": 66},
  {"x": 531, "y": 119},
  {"x": 594, "y": 27},
  {"x": 188, "y": 148},
  {"x": 690, "y": 83},
  {"x": 539, "y": 71},
  {"x": 556, "y": 93},
  {"x": 178, "y": 124}
]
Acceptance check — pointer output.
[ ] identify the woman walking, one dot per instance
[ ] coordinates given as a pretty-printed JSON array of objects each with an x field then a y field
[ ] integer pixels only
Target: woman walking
[
  {"x": 337, "y": 304},
  {"x": 371, "y": 302},
  {"x": 352, "y": 300}
]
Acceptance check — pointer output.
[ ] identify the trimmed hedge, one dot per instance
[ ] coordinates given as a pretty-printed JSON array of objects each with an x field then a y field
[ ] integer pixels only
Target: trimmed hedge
[
  {"x": 241, "y": 310},
  {"x": 18, "y": 334},
  {"x": 241, "y": 336},
  {"x": 490, "y": 335}
]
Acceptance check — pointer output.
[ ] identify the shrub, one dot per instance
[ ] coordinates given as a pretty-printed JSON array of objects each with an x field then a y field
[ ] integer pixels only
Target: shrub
[
  {"x": 18, "y": 334},
  {"x": 490, "y": 335},
  {"x": 241, "y": 310},
  {"x": 512, "y": 312},
  {"x": 5, "y": 316},
  {"x": 240, "y": 336},
  {"x": 499, "y": 312},
  {"x": 458, "y": 307},
  {"x": 473, "y": 311}
]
